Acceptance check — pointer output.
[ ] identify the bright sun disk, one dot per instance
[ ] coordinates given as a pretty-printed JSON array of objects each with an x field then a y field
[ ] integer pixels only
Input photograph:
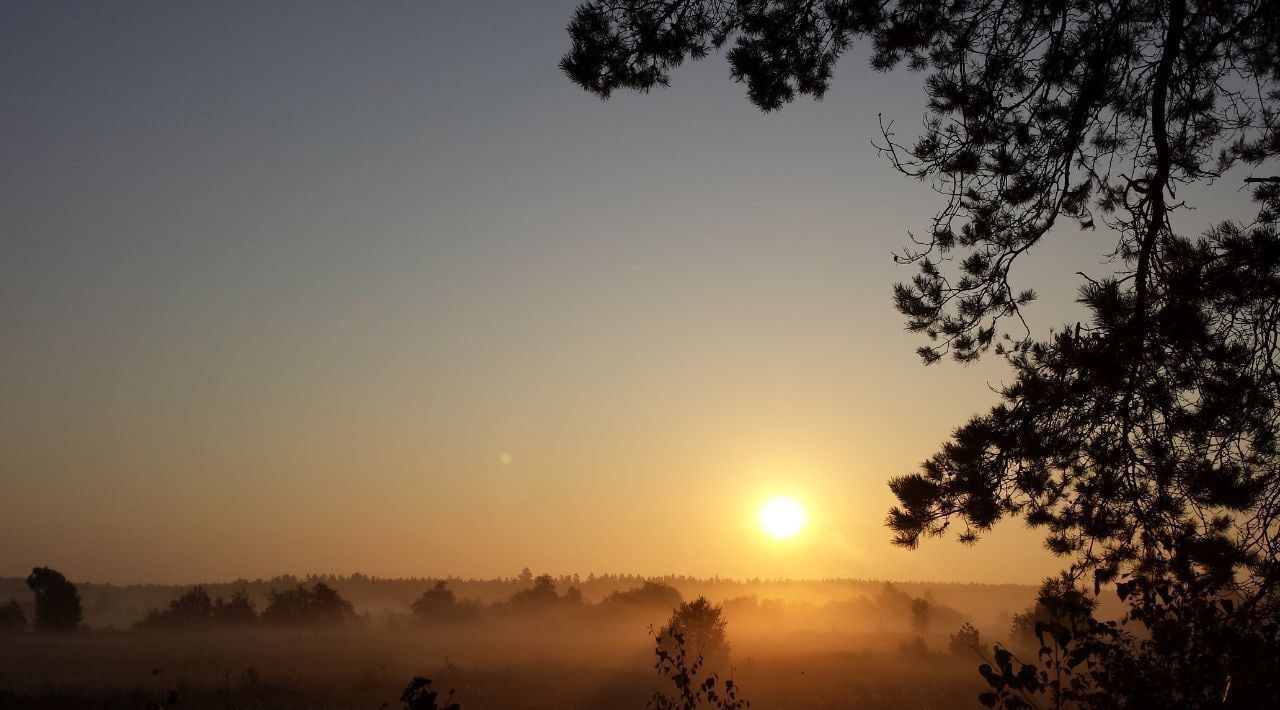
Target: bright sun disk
[{"x": 782, "y": 517}]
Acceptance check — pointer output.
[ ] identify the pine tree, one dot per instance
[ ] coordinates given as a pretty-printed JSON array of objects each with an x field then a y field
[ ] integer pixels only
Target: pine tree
[{"x": 1142, "y": 439}]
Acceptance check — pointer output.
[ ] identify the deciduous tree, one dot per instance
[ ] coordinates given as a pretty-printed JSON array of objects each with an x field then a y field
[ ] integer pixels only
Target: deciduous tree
[
  {"x": 702, "y": 626},
  {"x": 57, "y": 601}
]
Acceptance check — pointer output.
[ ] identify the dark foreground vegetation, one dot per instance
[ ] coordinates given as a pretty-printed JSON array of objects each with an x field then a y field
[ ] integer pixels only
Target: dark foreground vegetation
[{"x": 527, "y": 641}]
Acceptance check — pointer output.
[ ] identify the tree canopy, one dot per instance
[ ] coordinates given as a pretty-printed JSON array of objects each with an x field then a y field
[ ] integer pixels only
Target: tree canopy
[
  {"x": 439, "y": 604},
  {"x": 196, "y": 608},
  {"x": 702, "y": 627},
  {"x": 1142, "y": 438},
  {"x": 650, "y": 595},
  {"x": 297, "y": 605},
  {"x": 57, "y": 601}
]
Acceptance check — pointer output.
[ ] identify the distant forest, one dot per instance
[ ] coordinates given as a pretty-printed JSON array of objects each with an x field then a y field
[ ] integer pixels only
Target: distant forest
[
  {"x": 568, "y": 641},
  {"x": 375, "y": 598}
]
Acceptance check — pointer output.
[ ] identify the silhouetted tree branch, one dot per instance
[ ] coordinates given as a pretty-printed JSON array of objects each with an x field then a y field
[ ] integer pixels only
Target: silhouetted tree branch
[{"x": 1143, "y": 440}]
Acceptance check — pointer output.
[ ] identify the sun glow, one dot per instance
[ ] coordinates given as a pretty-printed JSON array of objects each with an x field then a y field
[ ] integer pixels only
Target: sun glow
[{"x": 782, "y": 517}]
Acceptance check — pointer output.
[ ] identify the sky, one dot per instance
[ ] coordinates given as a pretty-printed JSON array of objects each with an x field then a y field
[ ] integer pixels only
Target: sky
[{"x": 297, "y": 287}]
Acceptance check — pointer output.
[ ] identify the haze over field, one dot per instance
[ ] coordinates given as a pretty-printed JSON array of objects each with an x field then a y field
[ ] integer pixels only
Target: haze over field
[{"x": 573, "y": 641}]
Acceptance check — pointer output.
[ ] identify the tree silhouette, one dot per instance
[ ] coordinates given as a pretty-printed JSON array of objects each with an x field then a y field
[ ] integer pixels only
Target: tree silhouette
[
  {"x": 327, "y": 606},
  {"x": 573, "y": 597},
  {"x": 239, "y": 609},
  {"x": 319, "y": 605},
  {"x": 196, "y": 608},
  {"x": 702, "y": 627},
  {"x": 965, "y": 641},
  {"x": 650, "y": 595},
  {"x": 1060, "y": 602},
  {"x": 675, "y": 663},
  {"x": 435, "y": 603},
  {"x": 57, "y": 601},
  {"x": 194, "y": 604},
  {"x": 1022, "y": 630},
  {"x": 439, "y": 604},
  {"x": 921, "y": 614},
  {"x": 193, "y": 607},
  {"x": 542, "y": 595},
  {"x": 1143, "y": 440},
  {"x": 418, "y": 695}
]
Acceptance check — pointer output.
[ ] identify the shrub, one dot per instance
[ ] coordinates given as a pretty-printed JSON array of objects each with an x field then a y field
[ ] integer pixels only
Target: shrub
[{"x": 418, "y": 695}]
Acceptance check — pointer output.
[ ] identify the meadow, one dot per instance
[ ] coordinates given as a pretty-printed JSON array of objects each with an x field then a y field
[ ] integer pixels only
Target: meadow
[{"x": 825, "y": 644}]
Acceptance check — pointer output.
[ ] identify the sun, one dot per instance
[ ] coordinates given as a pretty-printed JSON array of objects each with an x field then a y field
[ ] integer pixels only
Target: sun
[{"x": 782, "y": 517}]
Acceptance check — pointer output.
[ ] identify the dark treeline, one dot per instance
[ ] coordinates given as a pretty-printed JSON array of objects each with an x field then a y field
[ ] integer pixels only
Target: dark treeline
[
  {"x": 298, "y": 605},
  {"x": 320, "y": 605},
  {"x": 207, "y": 643},
  {"x": 123, "y": 606},
  {"x": 323, "y": 600}
]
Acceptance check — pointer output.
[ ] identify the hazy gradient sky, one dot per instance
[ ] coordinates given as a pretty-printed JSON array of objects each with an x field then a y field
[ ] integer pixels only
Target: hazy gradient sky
[{"x": 335, "y": 286}]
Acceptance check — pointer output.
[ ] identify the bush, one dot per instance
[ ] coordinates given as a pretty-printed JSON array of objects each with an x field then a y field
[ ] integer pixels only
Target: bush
[{"x": 418, "y": 695}]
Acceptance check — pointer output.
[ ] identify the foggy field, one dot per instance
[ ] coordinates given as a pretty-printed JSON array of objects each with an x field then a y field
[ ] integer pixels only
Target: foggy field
[
  {"x": 537, "y": 667},
  {"x": 828, "y": 646}
]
